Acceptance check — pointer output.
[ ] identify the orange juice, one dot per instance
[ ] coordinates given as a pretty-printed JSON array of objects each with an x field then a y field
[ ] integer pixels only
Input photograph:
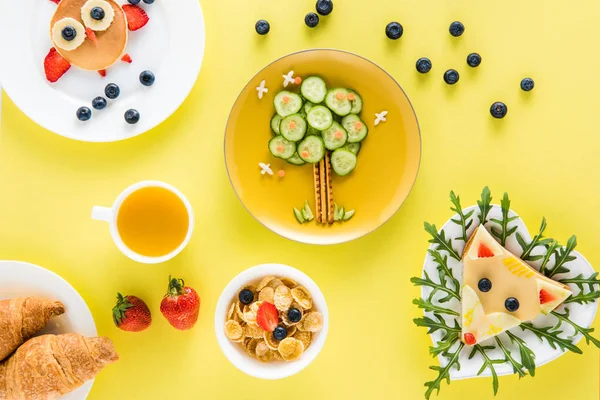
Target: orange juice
[{"x": 153, "y": 221}]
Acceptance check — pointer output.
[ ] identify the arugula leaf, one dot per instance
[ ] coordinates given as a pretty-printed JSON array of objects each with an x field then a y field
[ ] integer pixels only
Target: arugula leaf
[
  {"x": 552, "y": 247},
  {"x": 436, "y": 287},
  {"x": 440, "y": 240},
  {"x": 485, "y": 205},
  {"x": 442, "y": 262},
  {"x": 487, "y": 363},
  {"x": 517, "y": 367},
  {"x": 429, "y": 306},
  {"x": 434, "y": 326},
  {"x": 584, "y": 298},
  {"x": 504, "y": 231},
  {"x": 580, "y": 281},
  {"x": 444, "y": 345},
  {"x": 527, "y": 355},
  {"x": 463, "y": 220},
  {"x": 563, "y": 256},
  {"x": 443, "y": 372},
  {"x": 586, "y": 332},
  {"x": 551, "y": 335},
  {"x": 538, "y": 240}
]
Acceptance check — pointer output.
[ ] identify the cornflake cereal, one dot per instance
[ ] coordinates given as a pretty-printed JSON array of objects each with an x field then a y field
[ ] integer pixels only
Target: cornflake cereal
[{"x": 278, "y": 323}]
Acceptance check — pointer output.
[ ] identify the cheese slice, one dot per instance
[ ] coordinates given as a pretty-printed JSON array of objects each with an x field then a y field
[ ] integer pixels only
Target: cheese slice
[{"x": 485, "y": 309}]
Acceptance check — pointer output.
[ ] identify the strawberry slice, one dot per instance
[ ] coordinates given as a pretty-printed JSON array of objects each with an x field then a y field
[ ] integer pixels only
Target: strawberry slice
[
  {"x": 91, "y": 35},
  {"x": 546, "y": 297},
  {"x": 55, "y": 1},
  {"x": 55, "y": 65},
  {"x": 469, "y": 339},
  {"x": 102, "y": 72},
  {"x": 127, "y": 58},
  {"x": 484, "y": 251},
  {"x": 267, "y": 317},
  {"x": 136, "y": 17}
]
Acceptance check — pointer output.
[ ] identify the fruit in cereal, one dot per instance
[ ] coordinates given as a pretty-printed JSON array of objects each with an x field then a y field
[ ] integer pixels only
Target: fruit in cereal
[
  {"x": 246, "y": 296},
  {"x": 131, "y": 314},
  {"x": 290, "y": 349},
  {"x": 294, "y": 315},
  {"x": 280, "y": 332},
  {"x": 181, "y": 305},
  {"x": 267, "y": 317}
]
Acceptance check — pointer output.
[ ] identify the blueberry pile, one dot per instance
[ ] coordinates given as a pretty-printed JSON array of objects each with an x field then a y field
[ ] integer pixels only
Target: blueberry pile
[{"x": 323, "y": 8}]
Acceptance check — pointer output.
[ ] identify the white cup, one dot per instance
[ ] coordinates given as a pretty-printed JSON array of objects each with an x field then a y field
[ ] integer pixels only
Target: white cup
[{"x": 109, "y": 214}]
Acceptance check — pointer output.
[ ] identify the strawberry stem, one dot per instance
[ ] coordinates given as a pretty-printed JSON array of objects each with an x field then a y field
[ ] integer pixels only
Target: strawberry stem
[
  {"x": 120, "y": 308},
  {"x": 176, "y": 286}
]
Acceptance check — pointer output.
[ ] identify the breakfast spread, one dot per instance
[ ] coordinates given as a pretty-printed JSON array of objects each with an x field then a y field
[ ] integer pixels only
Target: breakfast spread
[{"x": 273, "y": 319}]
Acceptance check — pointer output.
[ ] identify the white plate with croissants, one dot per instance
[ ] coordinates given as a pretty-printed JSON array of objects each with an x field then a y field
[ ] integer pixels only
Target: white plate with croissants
[{"x": 49, "y": 347}]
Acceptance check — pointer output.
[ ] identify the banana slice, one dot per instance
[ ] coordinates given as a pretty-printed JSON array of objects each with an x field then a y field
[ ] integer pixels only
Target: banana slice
[
  {"x": 68, "y": 34},
  {"x": 97, "y": 15}
]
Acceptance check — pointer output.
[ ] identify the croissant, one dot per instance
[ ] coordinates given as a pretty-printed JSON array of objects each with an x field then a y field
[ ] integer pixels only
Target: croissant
[
  {"x": 21, "y": 318},
  {"x": 50, "y": 366}
]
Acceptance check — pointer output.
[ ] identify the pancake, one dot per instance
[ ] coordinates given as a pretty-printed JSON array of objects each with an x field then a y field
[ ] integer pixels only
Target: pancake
[{"x": 111, "y": 43}]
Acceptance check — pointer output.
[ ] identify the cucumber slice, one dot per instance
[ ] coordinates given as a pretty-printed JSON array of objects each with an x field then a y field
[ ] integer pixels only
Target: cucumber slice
[
  {"x": 335, "y": 137},
  {"x": 356, "y": 102},
  {"x": 295, "y": 160},
  {"x": 307, "y": 212},
  {"x": 313, "y": 89},
  {"x": 282, "y": 148},
  {"x": 337, "y": 101},
  {"x": 319, "y": 117},
  {"x": 311, "y": 149},
  {"x": 356, "y": 128},
  {"x": 348, "y": 215},
  {"x": 343, "y": 162},
  {"x": 312, "y": 131},
  {"x": 275, "y": 121},
  {"x": 307, "y": 106},
  {"x": 299, "y": 216},
  {"x": 287, "y": 103},
  {"x": 293, "y": 127},
  {"x": 353, "y": 147}
]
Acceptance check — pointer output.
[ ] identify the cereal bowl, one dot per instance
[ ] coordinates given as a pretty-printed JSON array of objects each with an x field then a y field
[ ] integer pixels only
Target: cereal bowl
[{"x": 237, "y": 355}]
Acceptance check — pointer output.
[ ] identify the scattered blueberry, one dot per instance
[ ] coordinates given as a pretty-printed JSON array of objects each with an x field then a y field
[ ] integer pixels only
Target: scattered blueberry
[
  {"x": 527, "y": 84},
  {"x": 132, "y": 116},
  {"x": 424, "y": 65},
  {"x": 451, "y": 76},
  {"x": 394, "y": 30},
  {"x": 498, "y": 110},
  {"x": 262, "y": 27},
  {"x": 112, "y": 91},
  {"x": 134, "y": 1},
  {"x": 485, "y": 285},
  {"x": 97, "y": 13},
  {"x": 294, "y": 315},
  {"x": 280, "y": 332},
  {"x": 324, "y": 7},
  {"x": 69, "y": 33},
  {"x": 511, "y": 304},
  {"x": 246, "y": 296},
  {"x": 148, "y": 1},
  {"x": 311, "y": 20},
  {"x": 473, "y": 60},
  {"x": 457, "y": 29},
  {"x": 147, "y": 78},
  {"x": 84, "y": 114},
  {"x": 99, "y": 103}
]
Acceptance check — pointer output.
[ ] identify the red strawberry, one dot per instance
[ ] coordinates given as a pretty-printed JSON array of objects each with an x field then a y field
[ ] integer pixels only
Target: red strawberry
[
  {"x": 55, "y": 65},
  {"x": 102, "y": 72},
  {"x": 127, "y": 58},
  {"x": 484, "y": 251},
  {"x": 267, "y": 317},
  {"x": 546, "y": 297},
  {"x": 55, "y": 1},
  {"x": 469, "y": 339},
  {"x": 91, "y": 35},
  {"x": 131, "y": 314},
  {"x": 136, "y": 17},
  {"x": 181, "y": 305}
]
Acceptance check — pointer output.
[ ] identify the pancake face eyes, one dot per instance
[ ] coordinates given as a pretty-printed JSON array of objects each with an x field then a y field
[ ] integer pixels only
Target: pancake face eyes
[
  {"x": 97, "y": 15},
  {"x": 68, "y": 34}
]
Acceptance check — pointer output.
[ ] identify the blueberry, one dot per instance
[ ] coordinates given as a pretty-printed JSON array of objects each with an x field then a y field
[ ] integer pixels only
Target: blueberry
[
  {"x": 246, "y": 296},
  {"x": 473, "y": 60},
  {"x": 294, "y": 315},
  {"x": 112, "y": 91},
  {"x": 311, "y": 20},
  {"x": 424, "y": 65},
  {"x": 280, "y": 332},
  {"x": 394, "y": 30},
  {"x": 69, "y": 33},
  {"x": 485, "y": 285},
  {"x": 262, "y": 27},
  {"x": 511, "y": 304},
  {"x": 498, "y": 110},
  {"x": 134, "y": 1},
  {"x": 99, "y": 103},
  {"x": 451, "y": 77},
  {"x": 97, "y": 13},
  {"x": 149, "y": 1},
  {"x": 457, "y": 29},
  {"x": 132, "y": 116},
  {"x": 324, "y": 7},
  {"x": 84, "y": 114},
  {"x": 527, "y": 84},
  {"x": 147, "y": 78}
]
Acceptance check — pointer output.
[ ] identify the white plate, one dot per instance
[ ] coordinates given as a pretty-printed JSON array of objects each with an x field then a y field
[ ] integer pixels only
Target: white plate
[
  {"x": 171, "y": 45},
  {"x": 19, "y": 279}
]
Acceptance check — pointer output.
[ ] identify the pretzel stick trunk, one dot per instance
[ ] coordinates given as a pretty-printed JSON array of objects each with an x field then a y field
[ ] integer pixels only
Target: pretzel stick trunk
[
  {"x": 317, "y": 184},
  {"x": 323, "y": 191}
]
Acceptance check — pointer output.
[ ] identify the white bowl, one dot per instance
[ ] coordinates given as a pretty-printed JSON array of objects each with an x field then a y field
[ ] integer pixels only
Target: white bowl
[{"x": 236, "y": 354}]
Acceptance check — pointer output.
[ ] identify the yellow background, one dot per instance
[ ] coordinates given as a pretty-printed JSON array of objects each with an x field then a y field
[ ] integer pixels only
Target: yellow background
[{"x": 544, "y": 154}]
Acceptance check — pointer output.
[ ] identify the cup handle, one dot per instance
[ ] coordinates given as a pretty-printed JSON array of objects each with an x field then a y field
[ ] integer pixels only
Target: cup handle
[{"x": 102, "y": 214}]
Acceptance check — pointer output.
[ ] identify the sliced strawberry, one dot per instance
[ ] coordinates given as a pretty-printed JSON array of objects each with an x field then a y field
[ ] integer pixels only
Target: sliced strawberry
[
  {"x": 102, "y": 73},
  {"x": 469, "y": 339},
  {"x": 546, "y": 297},
  {"x": 484, "y": 251},
  {"x": 127, "y": 58},
  {"x": 55, "y": 1},
  {"x": 136, "y": 17},
  {"x": 91, "y": 35},
  {"x": 55, "y": 65},
  {"x": 267, "y": 317}
]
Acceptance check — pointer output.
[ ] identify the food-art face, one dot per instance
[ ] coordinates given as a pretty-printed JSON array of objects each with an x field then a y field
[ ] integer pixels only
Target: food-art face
[
  {"x": 90, "y": 34},
  {"x": 500, "y": 291}
]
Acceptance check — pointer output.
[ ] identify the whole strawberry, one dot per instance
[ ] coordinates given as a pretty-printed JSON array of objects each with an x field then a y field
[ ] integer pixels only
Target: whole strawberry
[
  {"x": 131, "y": 314},
  {"x": 181, "y": 305}
]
